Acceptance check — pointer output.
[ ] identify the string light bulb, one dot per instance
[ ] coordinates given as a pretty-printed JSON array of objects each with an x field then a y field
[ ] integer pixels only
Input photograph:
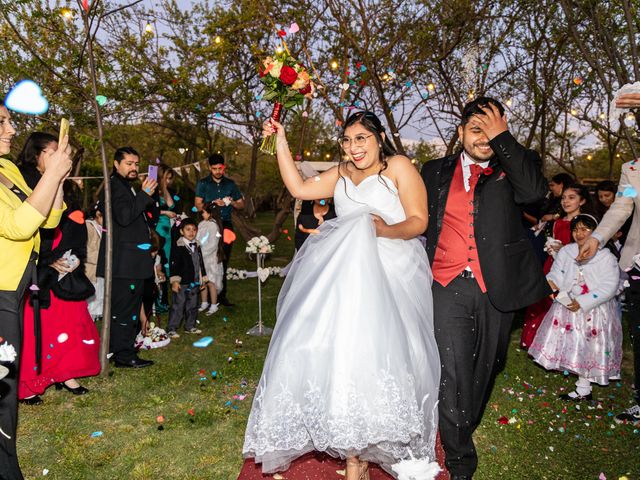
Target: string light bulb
[
  {"x": 574, "y": 112},
  {"x": 148, "y": 28},
  {"x": 279, "y": 50},
  {"x": 218, "y": 39},
  {"x": 509, "y": 102},
  {"x": 602, "y": 116},
  {"x": 66, "y": 13},
  {"x": 589, "y": 157},
  {"x": 431, "y": 87},
  {"x": 328, "y": 156},
  {"x": 334, "y": 65}
]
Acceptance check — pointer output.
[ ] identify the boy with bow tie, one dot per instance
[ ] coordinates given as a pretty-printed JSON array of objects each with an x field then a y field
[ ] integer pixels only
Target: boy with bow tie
[{"x": 188, "y": 277}]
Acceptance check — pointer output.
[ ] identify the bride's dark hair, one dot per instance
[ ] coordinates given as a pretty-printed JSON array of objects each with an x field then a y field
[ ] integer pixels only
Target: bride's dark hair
[{"x": 371, "y": 123}]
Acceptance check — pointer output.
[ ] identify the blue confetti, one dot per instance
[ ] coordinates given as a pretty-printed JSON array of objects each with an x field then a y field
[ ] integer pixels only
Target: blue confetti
[
  {"x": 218, "y": 115},
  {"x": 425, "y": 95},
  {"x": 227, "y": 403},
  {"x": 96, "y": 434},
  {"x": 323, "y": 202},
  {"x": 194, "y": 209},
  {"x": 630, "y": 192},
  {"x": 135, "y": 317},
  {"x": 144, "y": 246},
  {"x": 565, "y": 373},
  {"x": 258, "y": 97},
  {"x": 176, "y": 198},
  {"x": 224, "y": 319},
  {"x": 203, "y": 342},
  {"x": 363, "y": 68},
  {"x": 409, "y": 83},
  {"x": 214, "y": 374},
  {"x": 258, "y": 114},
  {"x": 48, "y": 357},
  {"x": 595, "y": 296}
]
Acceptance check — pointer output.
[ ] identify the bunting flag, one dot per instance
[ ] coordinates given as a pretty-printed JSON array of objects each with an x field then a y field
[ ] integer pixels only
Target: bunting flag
[{"x": 178, "y": 170}]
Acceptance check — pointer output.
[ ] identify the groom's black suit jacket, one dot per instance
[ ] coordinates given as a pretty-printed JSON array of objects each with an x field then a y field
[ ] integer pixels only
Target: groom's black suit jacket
[{"x": 512, "y": 273}]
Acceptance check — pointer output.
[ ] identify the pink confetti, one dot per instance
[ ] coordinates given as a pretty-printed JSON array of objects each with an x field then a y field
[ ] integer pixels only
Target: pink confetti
[{"x": 34, "y": 288}]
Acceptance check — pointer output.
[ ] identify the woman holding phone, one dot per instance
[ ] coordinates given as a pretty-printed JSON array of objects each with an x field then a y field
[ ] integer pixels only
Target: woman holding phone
[{"x": 22, "y": 212}]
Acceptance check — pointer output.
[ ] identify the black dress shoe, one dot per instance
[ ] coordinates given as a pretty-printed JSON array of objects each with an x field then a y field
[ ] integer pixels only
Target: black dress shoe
[
  {"x": 35, "y": 400},
  {"x": 134, "y": 363},
  {"x": 461, "y": 477},
  {"x": 76, "y": 391},
  {"x": 225, "y": 302}
]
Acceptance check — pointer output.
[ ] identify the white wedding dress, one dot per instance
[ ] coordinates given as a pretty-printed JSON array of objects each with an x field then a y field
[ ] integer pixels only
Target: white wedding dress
[{"x": 352, "y": 368}]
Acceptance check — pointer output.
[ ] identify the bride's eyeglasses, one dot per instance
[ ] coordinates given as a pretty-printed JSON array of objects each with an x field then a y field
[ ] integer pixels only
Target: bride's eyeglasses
[{"x": 358, "y": 141}]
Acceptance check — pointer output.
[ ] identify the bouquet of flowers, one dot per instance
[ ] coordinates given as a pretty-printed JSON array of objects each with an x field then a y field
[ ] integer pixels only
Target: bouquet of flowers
[
  {"x": 287, "y": 83},
  {"x": 8, "y": 354},
  {"x": 156, "y": 338},
  {"x": 259, "y": 245}
]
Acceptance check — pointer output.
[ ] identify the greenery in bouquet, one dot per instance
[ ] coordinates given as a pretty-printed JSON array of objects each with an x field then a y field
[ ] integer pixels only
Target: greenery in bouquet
[{"x": 286, "y": 83}]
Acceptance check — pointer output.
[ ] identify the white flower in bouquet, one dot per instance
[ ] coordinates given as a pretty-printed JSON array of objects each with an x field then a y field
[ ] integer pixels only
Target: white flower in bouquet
[
  {"x": 259, "y": 245},
  {"x": 7, "y": 353}
]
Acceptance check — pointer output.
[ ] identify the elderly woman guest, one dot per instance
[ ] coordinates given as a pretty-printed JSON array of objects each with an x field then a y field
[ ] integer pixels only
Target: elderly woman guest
[{"x": 22, "y": 213}]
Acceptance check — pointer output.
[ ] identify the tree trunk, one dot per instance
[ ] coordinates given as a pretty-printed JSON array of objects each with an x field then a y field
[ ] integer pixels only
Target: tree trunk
[{"x": 250, "y": 210}]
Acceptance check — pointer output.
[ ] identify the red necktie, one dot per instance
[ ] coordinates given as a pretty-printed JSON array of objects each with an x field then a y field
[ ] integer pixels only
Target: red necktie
[{"x": 476, "y": 171}]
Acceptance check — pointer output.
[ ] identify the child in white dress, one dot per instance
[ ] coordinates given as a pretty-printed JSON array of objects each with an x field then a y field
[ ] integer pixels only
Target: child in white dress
[
  {"x": 210, "y": 238},
  {"x": 582, "y": 331}
]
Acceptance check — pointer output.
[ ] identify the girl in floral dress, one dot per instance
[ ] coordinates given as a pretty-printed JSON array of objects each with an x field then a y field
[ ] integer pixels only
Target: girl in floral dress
[{"x": 581, "y": 333}]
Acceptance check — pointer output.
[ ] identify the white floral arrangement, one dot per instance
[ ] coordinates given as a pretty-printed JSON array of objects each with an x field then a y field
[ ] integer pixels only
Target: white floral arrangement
[
  {"x": 7, "y": 353},
  {"x": 156, "y": 338},
  {"x": 259, "y": 245},
  {"x": 235, "y": 274}
]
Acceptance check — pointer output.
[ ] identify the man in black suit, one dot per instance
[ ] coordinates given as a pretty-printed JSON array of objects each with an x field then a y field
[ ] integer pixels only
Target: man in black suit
[
  {"x": 132, "y": 263},
  {"x": 483, "y": 266}
]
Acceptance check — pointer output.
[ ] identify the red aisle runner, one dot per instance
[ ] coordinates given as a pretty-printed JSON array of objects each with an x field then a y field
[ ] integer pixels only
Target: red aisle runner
[{"x": 319, "y": 466}]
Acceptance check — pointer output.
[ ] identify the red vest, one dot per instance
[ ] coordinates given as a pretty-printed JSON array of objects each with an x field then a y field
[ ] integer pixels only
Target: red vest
[{"x": 457, "y": 244}]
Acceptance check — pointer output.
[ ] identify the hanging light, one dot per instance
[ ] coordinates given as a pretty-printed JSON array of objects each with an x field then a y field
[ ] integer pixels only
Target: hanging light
[
  {"x": 509, "y": 102},
  {"x": 148, "y": 28},
  {"x": 431, "y": 87},
  {"x": 333, "y": 65},
  {"x": 66, "y": 13},
  {"x": 279, "y": 50},
  {"x": 218, "y": 39},
  {"x": 589, "y": 157},
  {"x": 574, "y": 112}
]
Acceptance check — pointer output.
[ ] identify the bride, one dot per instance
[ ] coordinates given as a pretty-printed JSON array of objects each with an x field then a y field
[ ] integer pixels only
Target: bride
[{"x": 353, "y": 368}]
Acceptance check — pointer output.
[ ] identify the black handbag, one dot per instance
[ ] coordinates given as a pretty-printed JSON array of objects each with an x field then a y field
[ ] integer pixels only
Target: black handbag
[{"x": 74, "y": 286}]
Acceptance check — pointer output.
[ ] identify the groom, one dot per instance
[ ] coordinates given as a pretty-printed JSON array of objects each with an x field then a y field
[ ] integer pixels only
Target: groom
[{"x": 483, "y": 266}]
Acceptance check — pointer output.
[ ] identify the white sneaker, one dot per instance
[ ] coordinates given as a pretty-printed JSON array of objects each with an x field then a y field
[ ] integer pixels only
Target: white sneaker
[
  {"x": 203, "y": 306},
  {"x": 213, "y": 308},
  {"x": 173, "y": 334},
  {"x": 194, "y": 330}
]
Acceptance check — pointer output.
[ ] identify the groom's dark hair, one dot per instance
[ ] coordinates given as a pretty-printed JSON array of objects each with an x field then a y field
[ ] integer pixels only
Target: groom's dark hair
[{"x": 473, "y": 108}]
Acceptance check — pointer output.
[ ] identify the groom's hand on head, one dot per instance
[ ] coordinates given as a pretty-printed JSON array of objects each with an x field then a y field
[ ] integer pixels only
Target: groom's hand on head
[{"x": 491, "y": 123}]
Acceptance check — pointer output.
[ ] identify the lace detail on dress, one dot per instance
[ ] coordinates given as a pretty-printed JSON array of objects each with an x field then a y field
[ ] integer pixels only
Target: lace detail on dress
[{"x": 390, "y": 424}]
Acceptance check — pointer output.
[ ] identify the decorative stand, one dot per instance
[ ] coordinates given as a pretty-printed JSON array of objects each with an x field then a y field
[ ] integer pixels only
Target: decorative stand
[{"x": 260, "y": 330}]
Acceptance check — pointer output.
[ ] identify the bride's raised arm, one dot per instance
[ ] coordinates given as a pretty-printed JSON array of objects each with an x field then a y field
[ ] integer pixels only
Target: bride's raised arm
[{"x": 320, "y": 186}]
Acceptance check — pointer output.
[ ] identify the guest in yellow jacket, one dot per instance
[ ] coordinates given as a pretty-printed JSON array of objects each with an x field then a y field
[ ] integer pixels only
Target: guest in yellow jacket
[{"x": 22, "y": 213}]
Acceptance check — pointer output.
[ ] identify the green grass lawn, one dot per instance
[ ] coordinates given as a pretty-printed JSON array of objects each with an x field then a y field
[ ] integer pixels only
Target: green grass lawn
[{"x": 204, "y": 425}]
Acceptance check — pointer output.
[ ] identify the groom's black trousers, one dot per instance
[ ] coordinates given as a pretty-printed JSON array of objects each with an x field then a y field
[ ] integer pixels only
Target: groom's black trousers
[{"x": 472, "y": 338}]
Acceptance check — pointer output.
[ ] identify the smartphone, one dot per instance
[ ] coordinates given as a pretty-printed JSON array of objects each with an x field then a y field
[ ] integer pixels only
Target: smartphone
[
  {"x": 153, "y": 173},
  {"x": 64, "y": 129}
]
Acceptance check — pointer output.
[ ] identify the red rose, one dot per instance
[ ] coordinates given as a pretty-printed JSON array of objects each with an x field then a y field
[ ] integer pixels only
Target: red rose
[
  {"x": 288, "y": 75},
  {"x": 594, "y": 332},
  {"x": 488, "y": 171},
  {"x": 282, "y": 33},
  {"x": 306, "y": 89},
  {"x": 567, "y": 327}
]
